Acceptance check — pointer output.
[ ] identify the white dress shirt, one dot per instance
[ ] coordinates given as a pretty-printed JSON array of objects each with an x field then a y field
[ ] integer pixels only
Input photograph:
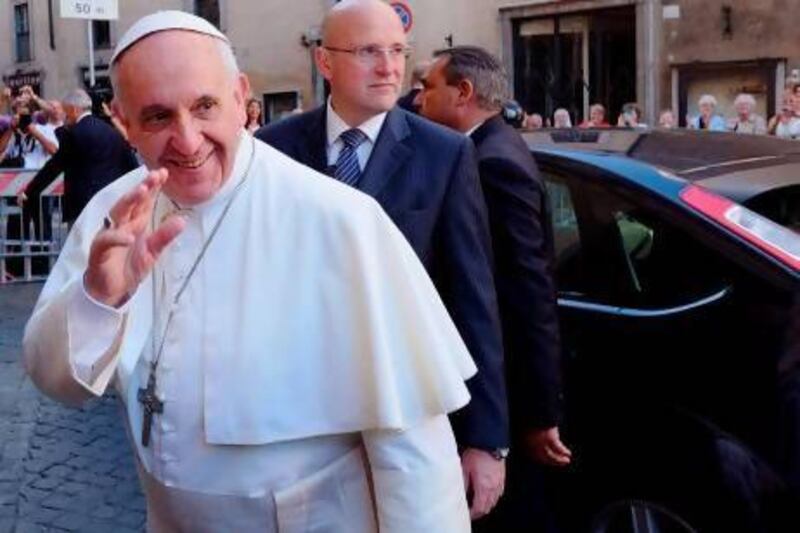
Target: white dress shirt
[{"x": 336, "y": 126}]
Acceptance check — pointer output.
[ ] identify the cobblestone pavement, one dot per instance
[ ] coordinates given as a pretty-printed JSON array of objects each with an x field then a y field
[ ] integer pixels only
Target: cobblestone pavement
[{"x": 61, "y": 469}]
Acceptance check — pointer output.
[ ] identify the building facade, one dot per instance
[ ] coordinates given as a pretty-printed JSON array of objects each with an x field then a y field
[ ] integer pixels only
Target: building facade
[{"x": 560, "y": 53}]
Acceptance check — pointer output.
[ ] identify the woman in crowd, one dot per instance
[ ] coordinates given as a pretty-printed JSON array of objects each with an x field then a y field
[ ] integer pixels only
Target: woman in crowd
[
  {"x": 746, "y": 121},
  {"x": 561, "y": 118},
  {"x": 707, "y": 119},
  {"x": 255, "y": 116}
]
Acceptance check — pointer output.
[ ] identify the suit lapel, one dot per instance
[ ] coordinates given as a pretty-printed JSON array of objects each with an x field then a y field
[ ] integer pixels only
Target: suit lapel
[
  {"x": 312, "y": 145},
  {"x": 388, "y": 155}
]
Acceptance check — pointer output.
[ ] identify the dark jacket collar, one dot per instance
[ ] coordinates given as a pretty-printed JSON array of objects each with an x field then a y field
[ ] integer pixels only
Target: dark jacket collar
[{"x": 491, "y": 125}]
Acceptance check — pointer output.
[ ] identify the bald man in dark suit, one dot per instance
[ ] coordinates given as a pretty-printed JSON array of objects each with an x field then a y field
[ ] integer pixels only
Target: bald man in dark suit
[{"x": 425, "y": 178}]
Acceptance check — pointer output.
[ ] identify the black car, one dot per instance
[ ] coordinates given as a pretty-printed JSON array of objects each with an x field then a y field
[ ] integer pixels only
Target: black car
[{"x": 677, "y": 261}]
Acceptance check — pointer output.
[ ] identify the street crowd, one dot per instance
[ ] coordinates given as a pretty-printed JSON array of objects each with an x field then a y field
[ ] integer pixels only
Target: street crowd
[
  {"x": 744, "y": 120},
  {"x": 344, "y": 320}
]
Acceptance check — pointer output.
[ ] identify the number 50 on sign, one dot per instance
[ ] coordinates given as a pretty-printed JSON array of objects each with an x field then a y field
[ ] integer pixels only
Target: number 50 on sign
[{"x": 90, "y": 9}]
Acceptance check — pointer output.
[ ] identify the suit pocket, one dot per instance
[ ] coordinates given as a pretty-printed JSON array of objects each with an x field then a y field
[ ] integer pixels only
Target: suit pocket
[{"x": 336, "y": 499}]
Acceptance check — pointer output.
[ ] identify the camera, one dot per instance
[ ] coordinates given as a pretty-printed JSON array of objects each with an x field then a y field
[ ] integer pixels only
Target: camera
[{"x": 24, "y": 121}]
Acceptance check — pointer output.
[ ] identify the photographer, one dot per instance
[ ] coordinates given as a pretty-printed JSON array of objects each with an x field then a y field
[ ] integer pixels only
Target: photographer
[
  {"x": 24, "y": 144},
  {"x": 47, "y": 120}
]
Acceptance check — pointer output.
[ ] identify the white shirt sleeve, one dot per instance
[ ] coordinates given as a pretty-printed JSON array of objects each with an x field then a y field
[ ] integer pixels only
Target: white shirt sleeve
[
  {"x": 72, "y": 343},
  {"x": 417, "y": 478},
  {"x": 49, "y": 132},
  {"x": 94, "y": 330}
]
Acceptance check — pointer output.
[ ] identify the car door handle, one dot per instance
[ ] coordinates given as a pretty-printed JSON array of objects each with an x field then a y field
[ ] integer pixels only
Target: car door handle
[{"x": 617, "y": 310}]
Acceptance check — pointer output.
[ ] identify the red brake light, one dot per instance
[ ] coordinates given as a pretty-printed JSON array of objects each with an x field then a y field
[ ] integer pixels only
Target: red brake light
[{"x": 778, "y": 241}]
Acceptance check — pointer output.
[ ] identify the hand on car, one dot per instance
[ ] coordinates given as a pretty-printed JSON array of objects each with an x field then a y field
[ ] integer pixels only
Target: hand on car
[
  {"x": 485, "y": 477},
  {"x": 546, "y": 447}
]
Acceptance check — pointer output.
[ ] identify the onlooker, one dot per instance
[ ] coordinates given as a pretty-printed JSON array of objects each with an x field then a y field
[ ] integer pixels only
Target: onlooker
[
  {"x": 666, "y": 119},
  {"x": 787, "y": 125},
  {"x": 255, "y": 115},
  {"x": 533, "y": 121},
  {"x": 561, "y": 118},
  {"x": 19, "y": 145},
  {"x": 785, "y": 107},
  {"x": 631, "y": 116},
  {"x": 52, "y": 107},
  {"x": 38, "y": 211},
  {"x": 522, "y": 240},
  {"x": 746, "y": 121},
  {"x": 45, "y": 133},
  {"x": 707, "y": 119},
  {"x": 597, "y": 117}
]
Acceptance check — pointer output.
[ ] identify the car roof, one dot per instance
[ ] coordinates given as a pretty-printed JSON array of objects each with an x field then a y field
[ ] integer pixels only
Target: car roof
[{"x": 739, "y": 167}]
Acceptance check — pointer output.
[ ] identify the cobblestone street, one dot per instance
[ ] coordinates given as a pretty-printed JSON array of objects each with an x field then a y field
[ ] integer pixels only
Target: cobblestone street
[{"x": 61, "y": 469}]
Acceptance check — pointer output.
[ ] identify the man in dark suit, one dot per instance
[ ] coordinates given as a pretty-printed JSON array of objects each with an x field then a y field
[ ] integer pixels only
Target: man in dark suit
[
  {"x": 91, "y": 154},
  {"x": 425, "y": 178},
  {"x": 465, "y": 89}
]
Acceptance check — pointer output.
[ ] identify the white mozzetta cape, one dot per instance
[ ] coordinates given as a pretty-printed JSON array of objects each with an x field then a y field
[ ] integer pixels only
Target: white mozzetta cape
[{"x": 323, "y": 320}]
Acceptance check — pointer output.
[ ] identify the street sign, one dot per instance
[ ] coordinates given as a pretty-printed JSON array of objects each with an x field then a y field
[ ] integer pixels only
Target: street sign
[
  {"x": 403, "y": 11},
  {"x": 90, "y": 9}
]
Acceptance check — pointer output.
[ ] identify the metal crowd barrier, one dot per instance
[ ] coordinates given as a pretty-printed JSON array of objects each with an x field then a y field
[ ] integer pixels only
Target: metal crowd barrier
[{"x": 31, "y": 236}]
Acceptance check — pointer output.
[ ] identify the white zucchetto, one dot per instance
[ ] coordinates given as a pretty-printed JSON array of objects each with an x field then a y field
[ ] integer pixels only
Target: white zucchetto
[{"x": 163, "y": 21}]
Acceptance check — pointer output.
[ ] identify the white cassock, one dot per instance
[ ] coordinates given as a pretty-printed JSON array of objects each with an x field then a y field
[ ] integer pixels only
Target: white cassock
[{"x": 307, "y": 372}]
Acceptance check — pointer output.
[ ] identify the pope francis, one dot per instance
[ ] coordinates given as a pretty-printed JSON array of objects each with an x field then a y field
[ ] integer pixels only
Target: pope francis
[{"x": 284, "y": 361}]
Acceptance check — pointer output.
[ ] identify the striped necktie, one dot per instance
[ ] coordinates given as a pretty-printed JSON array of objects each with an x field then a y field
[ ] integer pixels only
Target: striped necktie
[{"x": 348, "y": 170}]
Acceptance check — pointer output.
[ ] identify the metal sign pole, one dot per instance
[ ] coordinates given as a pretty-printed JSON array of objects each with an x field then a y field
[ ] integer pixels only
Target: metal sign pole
[{"x": 90, "y": 35}]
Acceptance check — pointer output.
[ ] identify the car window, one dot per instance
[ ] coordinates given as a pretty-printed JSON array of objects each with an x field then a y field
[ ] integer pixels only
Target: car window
[
  {"x": 568, "y": 259},
  {"x": 668, "y": 266},
  {"x": 613, "y": 249}
]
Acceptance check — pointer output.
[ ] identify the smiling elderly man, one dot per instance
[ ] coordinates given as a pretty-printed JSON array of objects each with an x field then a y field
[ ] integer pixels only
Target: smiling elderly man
[{"x": 284, "y": 360}]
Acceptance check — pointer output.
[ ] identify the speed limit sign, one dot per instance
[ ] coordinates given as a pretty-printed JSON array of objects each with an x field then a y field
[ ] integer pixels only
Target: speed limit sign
[{"x": 90, "y": 9}]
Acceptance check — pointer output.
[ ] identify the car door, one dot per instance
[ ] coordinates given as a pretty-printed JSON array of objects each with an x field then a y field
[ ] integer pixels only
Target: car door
[{"x": 659, "y": 361}]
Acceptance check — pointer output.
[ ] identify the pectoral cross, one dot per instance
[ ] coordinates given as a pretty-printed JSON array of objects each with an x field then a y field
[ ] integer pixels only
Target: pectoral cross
[{"x": 150, "y": 404}]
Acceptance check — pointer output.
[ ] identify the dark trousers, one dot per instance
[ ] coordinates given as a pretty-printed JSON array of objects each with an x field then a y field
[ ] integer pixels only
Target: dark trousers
[{"x": 528, "y": 504}]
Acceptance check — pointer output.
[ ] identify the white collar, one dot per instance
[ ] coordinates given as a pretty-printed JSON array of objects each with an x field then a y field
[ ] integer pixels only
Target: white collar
[
  {"x": 336, "y": 126},
  {"x": 84, "y": 115},
  {"x": 473, "y": 128}
]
